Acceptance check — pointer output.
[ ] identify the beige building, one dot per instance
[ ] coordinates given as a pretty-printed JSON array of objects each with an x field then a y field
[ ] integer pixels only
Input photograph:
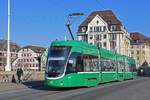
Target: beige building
[
  {"x": 140, "y": 48},
  {"x": 102, "y": 28},
  {"x": 3, "y": 53}
]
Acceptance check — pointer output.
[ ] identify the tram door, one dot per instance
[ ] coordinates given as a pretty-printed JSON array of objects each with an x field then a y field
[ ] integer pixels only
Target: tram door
[{"x": 99, "y": 62}]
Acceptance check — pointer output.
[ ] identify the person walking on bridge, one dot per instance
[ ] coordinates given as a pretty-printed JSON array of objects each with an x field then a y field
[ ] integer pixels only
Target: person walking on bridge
[{"x": 19, "y": 74}]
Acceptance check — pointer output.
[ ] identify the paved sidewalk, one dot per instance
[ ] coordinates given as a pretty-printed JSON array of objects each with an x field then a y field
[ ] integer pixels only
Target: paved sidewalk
[{"x": 15, "y": 86}]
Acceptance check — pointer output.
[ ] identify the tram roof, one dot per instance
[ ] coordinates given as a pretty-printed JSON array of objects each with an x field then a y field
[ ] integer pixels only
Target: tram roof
[{"x": 73, "y": 43}]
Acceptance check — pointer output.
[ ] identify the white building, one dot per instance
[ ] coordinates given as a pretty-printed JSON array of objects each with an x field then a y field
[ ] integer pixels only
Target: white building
[
  {"x": 103, "y": 29},
  {"x": 29, "y": 58}
]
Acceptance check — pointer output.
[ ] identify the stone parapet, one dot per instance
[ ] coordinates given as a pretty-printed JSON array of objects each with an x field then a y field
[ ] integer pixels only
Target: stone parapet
[{"x": 28, "y": 76}]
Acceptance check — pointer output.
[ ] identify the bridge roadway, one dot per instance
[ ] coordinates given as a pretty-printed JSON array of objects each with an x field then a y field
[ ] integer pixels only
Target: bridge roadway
[{"x": 138, "y": 89}]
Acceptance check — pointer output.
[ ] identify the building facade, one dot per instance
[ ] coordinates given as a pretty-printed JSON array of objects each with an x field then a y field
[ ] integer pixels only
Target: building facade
[
  {"x": 103, "y": 29},
  {"x": 3, "y": 53},
  {"x": 140, "y": 48},
  {"x": 29, "y": 59}
]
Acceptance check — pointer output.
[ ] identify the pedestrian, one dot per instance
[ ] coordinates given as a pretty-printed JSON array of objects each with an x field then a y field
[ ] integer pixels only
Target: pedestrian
[{"x": 19, "y": 74}]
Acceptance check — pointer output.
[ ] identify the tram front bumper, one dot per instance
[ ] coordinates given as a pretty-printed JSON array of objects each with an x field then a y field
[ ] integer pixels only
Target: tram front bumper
[{"x": 54, "y": 83}]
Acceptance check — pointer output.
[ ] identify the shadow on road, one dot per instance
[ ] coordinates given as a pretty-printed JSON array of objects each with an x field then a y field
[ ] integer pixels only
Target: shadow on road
[{"x": 39, "y": 85}]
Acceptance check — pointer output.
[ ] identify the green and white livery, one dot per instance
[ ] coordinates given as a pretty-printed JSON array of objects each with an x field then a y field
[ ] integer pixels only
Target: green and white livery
[{"x": 75, "y": 64}]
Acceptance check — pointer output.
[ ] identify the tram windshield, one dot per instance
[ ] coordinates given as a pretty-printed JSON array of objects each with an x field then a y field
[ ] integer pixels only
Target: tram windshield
[{"x": 57, "y": 58}]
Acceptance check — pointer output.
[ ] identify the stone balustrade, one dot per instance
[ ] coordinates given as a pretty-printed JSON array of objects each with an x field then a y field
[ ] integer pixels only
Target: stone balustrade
[{"x": 28, "y": 76}]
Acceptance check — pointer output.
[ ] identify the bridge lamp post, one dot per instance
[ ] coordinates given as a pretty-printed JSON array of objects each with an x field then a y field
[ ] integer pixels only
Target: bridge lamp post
[{"x": 8, "y": 67}]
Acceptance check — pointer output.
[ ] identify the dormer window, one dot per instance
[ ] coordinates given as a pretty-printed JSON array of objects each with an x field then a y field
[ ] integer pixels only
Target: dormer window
[
  {"x": 104, "y": 28},
  {"x": 113, "y": 28},
  {"x": 83, "y": 29}
]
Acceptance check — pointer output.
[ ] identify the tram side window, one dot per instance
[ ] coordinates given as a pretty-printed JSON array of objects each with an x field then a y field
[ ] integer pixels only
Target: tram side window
[
  {"x": 90, "y": 63},
  {"x": 108, "y": 65},
  {"x": 130, "y": 68},
  {"x": 134, "y": 67},
  {"x": 120, "y": 66},
  {"x": 127, "y": 67},
  {"x": 75, "y": 63}
]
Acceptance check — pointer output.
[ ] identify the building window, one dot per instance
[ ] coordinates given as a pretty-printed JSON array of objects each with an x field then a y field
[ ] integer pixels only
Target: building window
[
  {"x": 104, "y": 44},
  {"x": 91, "y": 29},
  {"x": 1, "y": 54},
  {"x": 143, "y": 46},
  {"x": 98, "y": 37},
  {"x": 91, "y": 37},
  {"x": 112, "y": 45},
  {"x": 83, "y": 29},
  {"x": 94, "y": 29},
  {"x": 138, "y": 58},
  {"x": 97, "y": 29},
  {"x": 100, "y": 29},
  {"x": 85, "y": 38},
  {"x": 105, "y": 36},
  {"x": 97, "y": 21},
  {"x": 104, "y": 28},
  {"x": 132, "y": 52},
  {"x": 113, "y": 28},
  {"x": 137, "y": 52},
  {"x": 113, "y": 36},
  {"x": 143, "y": 52}
]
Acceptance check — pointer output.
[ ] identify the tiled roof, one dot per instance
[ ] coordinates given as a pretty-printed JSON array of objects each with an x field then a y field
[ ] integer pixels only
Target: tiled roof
[
  {"x": 36, "y": 49},
  {"x": 107, "y": 15},
  {"x": 138, "y": 38},
  {"x": 13, "y": 46}
]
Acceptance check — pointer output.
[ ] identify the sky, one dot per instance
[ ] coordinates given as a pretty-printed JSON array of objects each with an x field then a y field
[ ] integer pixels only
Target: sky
[{"x": 39, "y": 22}]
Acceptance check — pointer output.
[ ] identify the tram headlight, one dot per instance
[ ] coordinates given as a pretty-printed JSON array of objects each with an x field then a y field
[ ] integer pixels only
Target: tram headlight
[{"x": 51, "y": 82}]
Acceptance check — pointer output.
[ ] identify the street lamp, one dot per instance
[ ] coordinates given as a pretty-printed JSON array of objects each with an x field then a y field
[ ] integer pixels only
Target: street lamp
[{"x": 8, "y": 67}]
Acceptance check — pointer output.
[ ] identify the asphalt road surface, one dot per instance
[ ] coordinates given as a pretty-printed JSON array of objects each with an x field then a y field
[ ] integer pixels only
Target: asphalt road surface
[{"x": 137, "y": 89}]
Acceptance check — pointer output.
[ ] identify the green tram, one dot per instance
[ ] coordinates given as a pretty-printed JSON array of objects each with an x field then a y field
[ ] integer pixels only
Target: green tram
[{"x": 74, "y": 63}]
